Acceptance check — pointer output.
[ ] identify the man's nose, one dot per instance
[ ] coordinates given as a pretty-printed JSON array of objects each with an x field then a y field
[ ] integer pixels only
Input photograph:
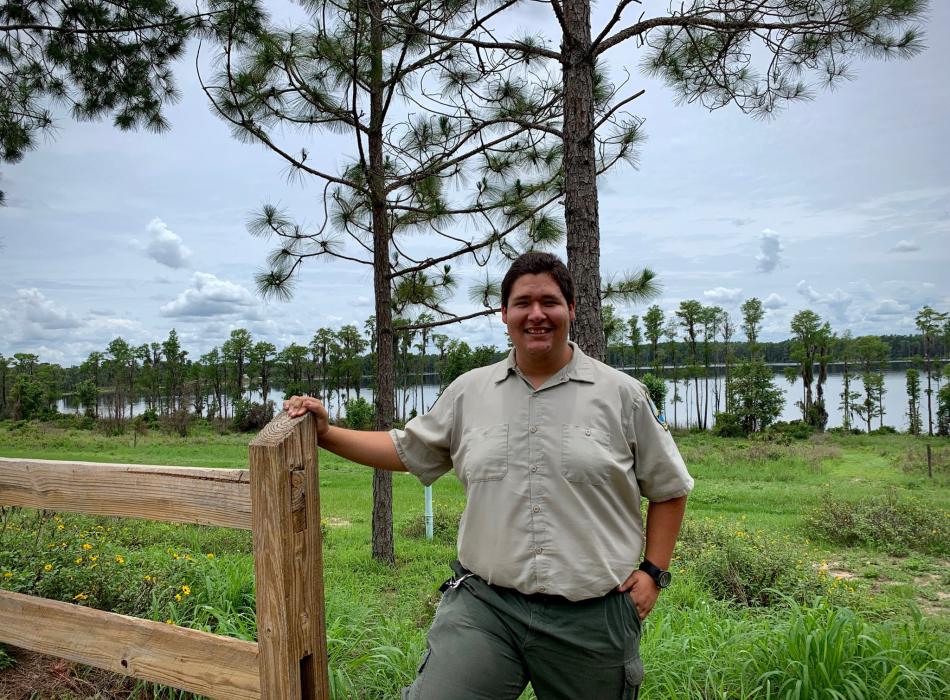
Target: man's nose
[{"x": 536, "y": 310}]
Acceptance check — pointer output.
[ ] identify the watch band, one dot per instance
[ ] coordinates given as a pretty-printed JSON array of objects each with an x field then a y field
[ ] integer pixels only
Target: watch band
[{"x": 661, "y": 577}]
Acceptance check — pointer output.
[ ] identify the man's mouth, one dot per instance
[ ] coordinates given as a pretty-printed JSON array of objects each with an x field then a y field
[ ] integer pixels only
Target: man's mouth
[{"x": 537, "y": 331}]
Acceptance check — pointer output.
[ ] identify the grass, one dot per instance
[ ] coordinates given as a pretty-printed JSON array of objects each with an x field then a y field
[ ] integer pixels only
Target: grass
[{"x": 762, "y": 605}]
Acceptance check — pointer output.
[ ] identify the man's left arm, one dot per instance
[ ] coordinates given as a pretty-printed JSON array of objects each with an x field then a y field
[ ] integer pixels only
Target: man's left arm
[{"x": 662, "y": 528}]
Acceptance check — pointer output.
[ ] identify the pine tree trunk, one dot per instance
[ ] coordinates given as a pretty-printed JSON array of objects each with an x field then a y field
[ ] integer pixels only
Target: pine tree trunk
[
  {"x": 383, "y": 550},
  {"x": 580, "y": 177}
]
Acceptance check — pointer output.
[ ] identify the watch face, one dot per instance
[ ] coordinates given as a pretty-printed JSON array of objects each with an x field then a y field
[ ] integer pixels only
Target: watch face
[{"x": 664, "y": 579}]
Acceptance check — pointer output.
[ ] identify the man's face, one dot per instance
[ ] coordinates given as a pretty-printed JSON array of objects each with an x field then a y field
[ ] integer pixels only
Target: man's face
[{"x": 538, "y": 316}]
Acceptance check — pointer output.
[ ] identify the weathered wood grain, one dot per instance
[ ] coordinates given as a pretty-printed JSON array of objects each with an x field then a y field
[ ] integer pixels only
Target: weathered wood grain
[
  {"x": 291, "y": 623},
  {"x": 199, "y": 662},
  {"x": 173, "y": 494}
]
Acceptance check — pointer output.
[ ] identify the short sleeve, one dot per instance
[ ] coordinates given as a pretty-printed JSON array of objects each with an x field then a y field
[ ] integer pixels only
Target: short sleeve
[
  {"x": 424, "y": 446},
  {"x": 659, "y": 467}
]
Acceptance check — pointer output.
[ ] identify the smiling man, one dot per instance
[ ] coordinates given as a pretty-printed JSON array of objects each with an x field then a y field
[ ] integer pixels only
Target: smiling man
[{"x": 555, "y": 451}]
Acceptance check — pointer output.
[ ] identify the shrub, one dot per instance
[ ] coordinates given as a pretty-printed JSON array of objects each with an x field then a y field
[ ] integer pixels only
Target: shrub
[
  {"x": 177, "y": 422},
  {"x": 445, "y": 524},
  {"x": 251, "y": 416},
  {"x": 150, "y": 416},
  {"x": 728, "y": 425},
  {"x": 656, "y": 388},
  {"x": 747, "y": 567},
  {"x": 792, "y": 430},
  {"x": 884, "y": 430},
  {"x": 884, "y": 522},
  {"x": 360, "y": 414}
]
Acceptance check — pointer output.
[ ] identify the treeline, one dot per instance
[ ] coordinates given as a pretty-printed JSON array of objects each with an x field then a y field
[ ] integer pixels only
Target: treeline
[{"x": 716, "y": 366}]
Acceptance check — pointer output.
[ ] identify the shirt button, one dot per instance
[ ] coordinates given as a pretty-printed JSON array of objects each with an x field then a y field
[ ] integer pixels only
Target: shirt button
[
  {"x": 539, "y": 550},
  {"x": 541, "y": 589},
  {"x": 587, "y": 432},
  {"x": 534, "y": 468},
  {"x": 537, "y": 509},
  {"x": 534, "y": 428}
]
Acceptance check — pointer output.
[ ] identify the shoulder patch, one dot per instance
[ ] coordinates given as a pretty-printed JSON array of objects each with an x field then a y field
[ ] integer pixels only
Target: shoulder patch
[{"x": 657, "y": 413}]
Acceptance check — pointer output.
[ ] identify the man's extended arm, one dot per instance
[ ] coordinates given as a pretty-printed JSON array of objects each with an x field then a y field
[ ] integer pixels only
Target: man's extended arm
[
  {"x": 663, "y": 527},
  {"x": 372, "y": 448}
]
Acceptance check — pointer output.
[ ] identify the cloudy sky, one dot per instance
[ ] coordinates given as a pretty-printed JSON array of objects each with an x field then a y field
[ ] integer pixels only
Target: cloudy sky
[{"x": 841, "y": 204}]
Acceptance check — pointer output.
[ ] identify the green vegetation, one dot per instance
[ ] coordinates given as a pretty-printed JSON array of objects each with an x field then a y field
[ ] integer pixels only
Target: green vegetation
[{"x": 764, "y": 599}]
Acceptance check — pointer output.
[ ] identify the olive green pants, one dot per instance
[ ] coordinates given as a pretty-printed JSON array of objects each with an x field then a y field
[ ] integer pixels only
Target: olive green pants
[{"x": 487, "y": 643}]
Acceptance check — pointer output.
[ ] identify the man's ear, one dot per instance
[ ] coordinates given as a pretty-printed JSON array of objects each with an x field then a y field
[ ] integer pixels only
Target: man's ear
[
  {"x": 504, "y": 314},
  {"x": 571, "y": 309}
]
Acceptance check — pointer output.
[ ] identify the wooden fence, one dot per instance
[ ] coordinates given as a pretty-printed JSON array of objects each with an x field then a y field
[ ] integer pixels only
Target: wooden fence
[{"x": 278, "y": 499}]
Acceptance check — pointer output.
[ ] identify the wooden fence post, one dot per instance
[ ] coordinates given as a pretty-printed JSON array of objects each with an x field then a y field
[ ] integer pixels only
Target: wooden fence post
[{"x": 288, "y": 559}]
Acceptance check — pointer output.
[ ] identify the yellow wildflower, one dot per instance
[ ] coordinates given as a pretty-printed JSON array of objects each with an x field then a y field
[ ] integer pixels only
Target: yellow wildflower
[
  {"x": 178, "y": 597},
  {"x": 86, "y": 546},
  {"x": 186, "y": 589},
  {"x": 60, "y": 527},
  {"x": 187, "y": 557},
  {"x": 95, "y": 557},
  {"x": 119, "y": 559},
  {"x": 148, "y": 578},
  {"x": 210, "y": 555},
  {"x": 80, "y": 596},
  {"x": 79, "y": 560},
  {"x": 169, "y": 621},
  {"x": 7, "y": 574},
  {"x": 48, "y": 567}
]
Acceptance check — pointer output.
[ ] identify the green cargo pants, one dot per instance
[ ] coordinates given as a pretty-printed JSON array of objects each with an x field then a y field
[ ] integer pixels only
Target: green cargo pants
[{"x": 487, "y": 643}]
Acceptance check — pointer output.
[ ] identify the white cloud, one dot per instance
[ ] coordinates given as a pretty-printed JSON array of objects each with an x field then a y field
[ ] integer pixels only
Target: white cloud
[
  {"x": 807, "y": 291},
  {"x": 770, "y": 251},
  {"x": 723, "y": 294},
  {"x": 42, "y": 312},
  {"x": 905, "y": 246},
  {"x": 210, "y": 296},
  {"x": 890, "y": 307},
  {"x": 838, "y": 301},
  {"x": 773, "y": 301},
  {"x": 165, "y": 246}
]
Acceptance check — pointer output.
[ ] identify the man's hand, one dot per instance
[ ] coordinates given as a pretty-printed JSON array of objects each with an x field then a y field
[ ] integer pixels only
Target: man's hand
[
  {"x": 642, "y": 590},
  {"x": 298, "y": 405}
]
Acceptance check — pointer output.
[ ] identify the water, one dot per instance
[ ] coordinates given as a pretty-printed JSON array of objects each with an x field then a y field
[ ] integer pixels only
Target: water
[{"x": 895, "y": 400}]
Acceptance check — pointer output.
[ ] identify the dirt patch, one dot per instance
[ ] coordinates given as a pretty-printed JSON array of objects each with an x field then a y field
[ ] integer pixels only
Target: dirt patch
[{"x": 37, "y": 677}]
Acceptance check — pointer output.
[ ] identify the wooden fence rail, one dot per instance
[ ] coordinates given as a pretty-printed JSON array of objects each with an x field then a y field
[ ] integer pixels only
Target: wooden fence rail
[{"x": 278, "y": 498}]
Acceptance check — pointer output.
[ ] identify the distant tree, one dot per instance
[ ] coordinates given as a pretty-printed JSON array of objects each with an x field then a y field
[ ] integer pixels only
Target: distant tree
[
  {"x": 845, "y": 352},
  {"x": 653, "y": 327},
  {"x": 90, "y": 369},
  {"x": 4, "y": 383},
  {"x": 929, "y": 323},
  {"x": 236, "y": 350},
  {"x": 261, "y": 357},
  {"x": 943, "y": 405},
  {"x": 755, "y": 401},
  {"x": 871, "y": 352},
  {"x": 752, "y": 315},
  {"x": 811, "y": 341},
  {"x": 669, "y": 332},
  {"x": 635, "y": 336},
  {"x": 728, "y": 330},
  {"x": 613, "y": 329},
  {"x": 913, "y": 401},
  {"x": 173, "y": 372},
  {"x": 690, "y": 313}
]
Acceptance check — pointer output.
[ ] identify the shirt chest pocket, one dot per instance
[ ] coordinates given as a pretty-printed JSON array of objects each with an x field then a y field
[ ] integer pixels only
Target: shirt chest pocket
[
  {"x": 585, "y": 455},
  {"x": 484, "y": 453}
]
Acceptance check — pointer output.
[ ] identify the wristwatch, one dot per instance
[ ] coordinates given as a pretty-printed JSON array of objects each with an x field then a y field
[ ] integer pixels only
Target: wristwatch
[{"x": 660, "y": 577}]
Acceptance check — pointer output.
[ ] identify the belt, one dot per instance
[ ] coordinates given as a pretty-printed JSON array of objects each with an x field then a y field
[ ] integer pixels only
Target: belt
[{"x": 462, "y": 574}]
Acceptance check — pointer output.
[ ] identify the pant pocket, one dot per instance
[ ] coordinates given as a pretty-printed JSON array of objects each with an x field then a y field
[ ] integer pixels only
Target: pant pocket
[{"x": 633, "y": 677}]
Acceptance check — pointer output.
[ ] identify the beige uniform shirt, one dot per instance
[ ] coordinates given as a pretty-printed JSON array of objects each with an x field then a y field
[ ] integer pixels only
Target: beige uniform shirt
[{"x": 553, "y": 477}]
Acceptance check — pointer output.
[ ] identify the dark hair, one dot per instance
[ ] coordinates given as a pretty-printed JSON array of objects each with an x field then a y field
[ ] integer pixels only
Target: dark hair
[{"x": 537, "y": 263}]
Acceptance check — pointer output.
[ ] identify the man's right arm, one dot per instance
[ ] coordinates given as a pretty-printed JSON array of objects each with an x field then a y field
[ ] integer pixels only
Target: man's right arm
[{"x": 372, "y": 448}]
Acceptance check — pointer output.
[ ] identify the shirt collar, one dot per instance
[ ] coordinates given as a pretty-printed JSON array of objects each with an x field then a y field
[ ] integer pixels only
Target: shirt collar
[{"x": 580, "y": 368}]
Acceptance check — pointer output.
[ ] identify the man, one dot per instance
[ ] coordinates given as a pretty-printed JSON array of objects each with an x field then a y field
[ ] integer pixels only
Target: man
[{"x": 554, "y": 450}]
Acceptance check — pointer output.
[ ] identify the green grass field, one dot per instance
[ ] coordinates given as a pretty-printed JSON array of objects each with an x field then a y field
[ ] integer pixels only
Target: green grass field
[{"x": 815, "y": 569}]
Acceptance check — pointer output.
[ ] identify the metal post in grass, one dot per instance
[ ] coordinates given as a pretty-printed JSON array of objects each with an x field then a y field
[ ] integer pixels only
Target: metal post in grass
[
  {"x": 288, "y": 560},
  {"x": 429, "y": 518}
]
